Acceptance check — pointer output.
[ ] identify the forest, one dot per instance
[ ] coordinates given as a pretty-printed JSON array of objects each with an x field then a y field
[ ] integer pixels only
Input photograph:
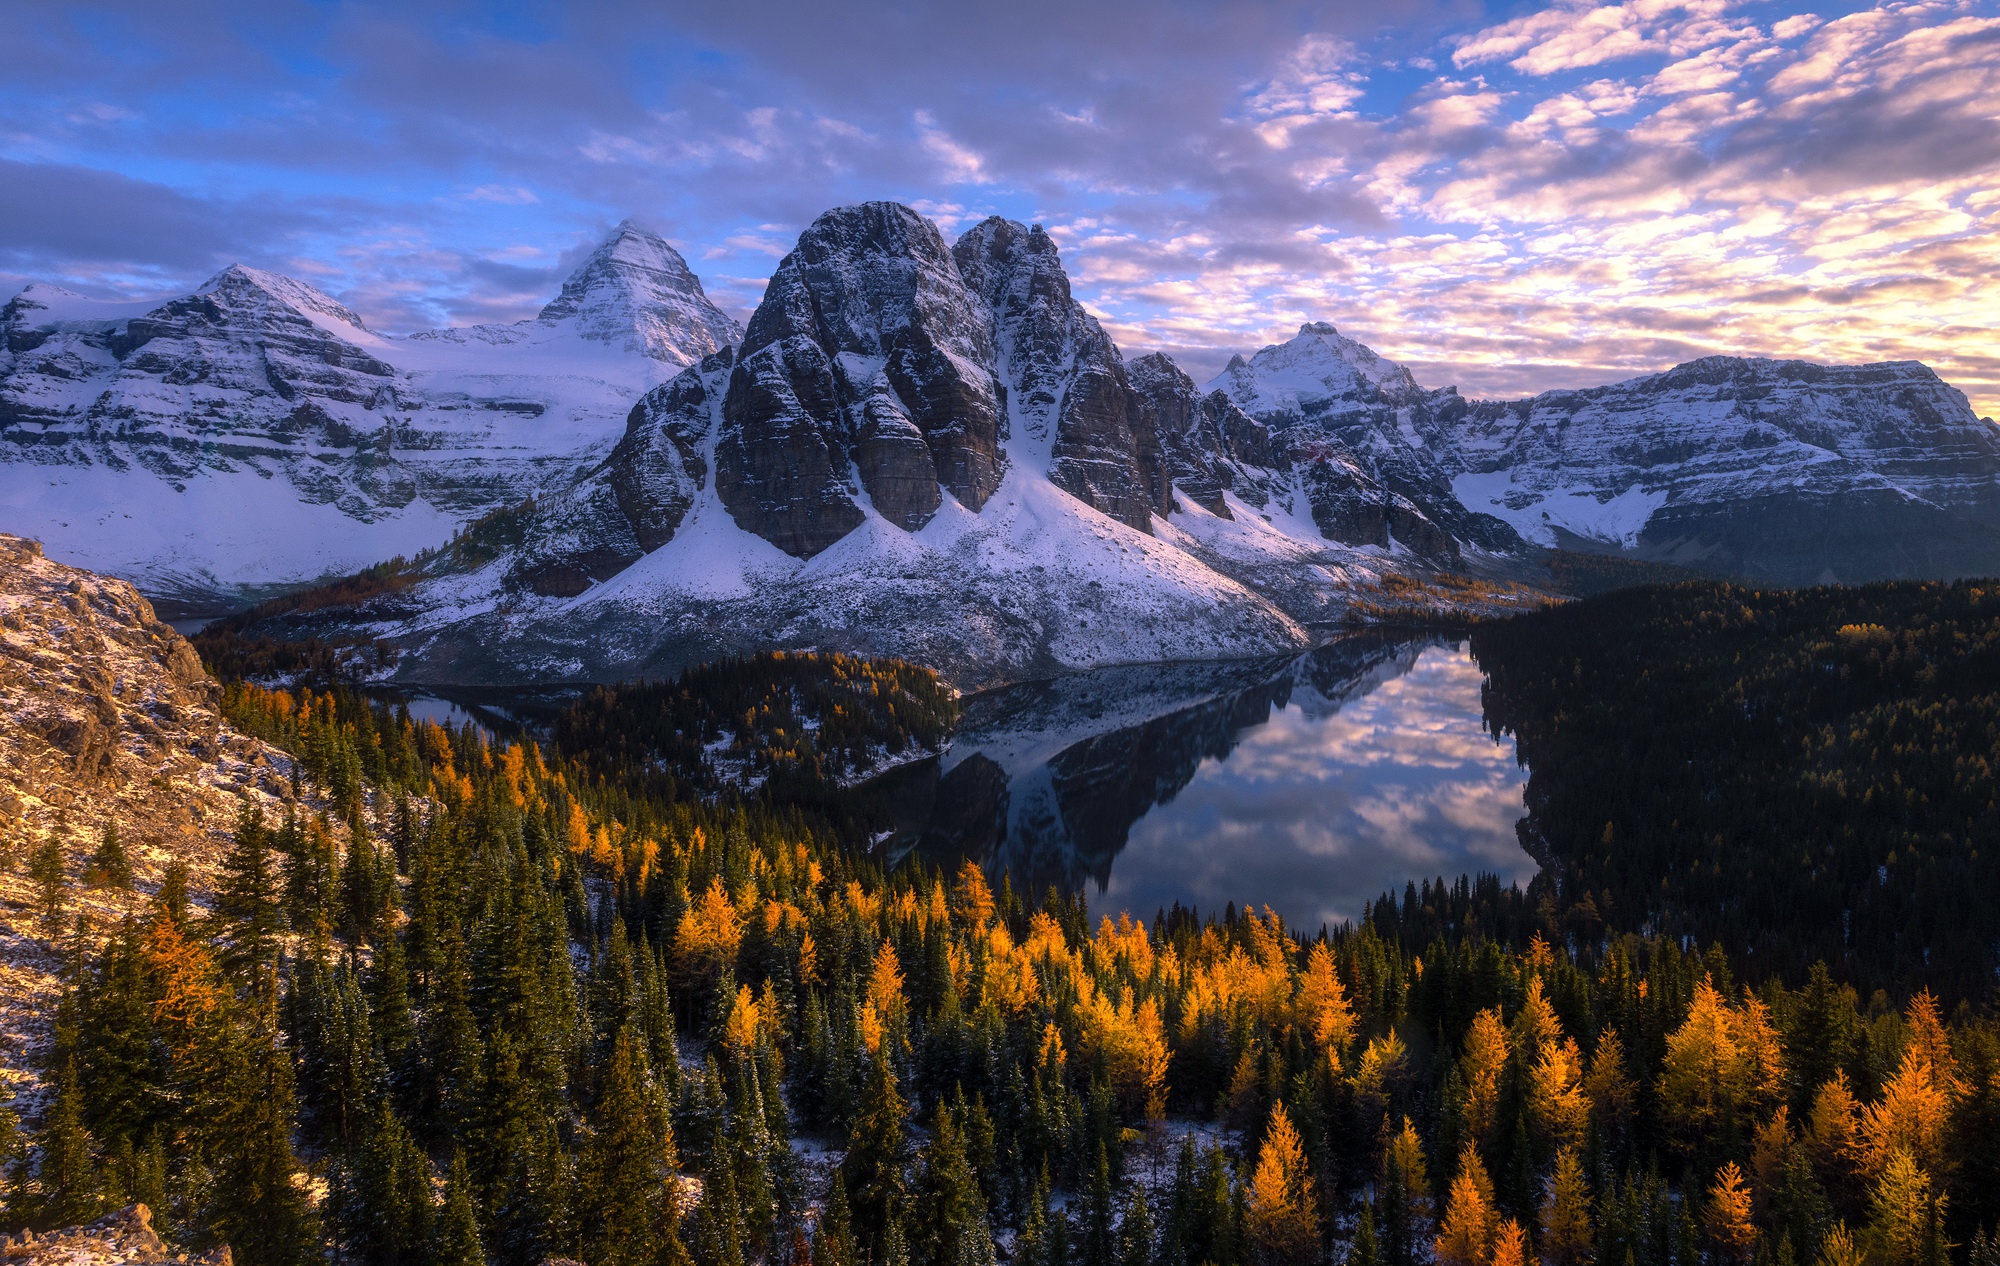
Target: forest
[
  {"x": 1797, "y": 775},
  {"x": 510, "y": 1002}
]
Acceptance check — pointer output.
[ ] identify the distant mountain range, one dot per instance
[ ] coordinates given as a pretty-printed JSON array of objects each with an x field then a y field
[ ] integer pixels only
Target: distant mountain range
[{"x": 915, "y": 447}]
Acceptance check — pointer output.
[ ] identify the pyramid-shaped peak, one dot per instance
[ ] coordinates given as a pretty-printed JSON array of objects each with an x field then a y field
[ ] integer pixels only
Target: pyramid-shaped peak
[
  {"x": 636, "y": 292},
  {"x": 241, "y": 280},
  {"x": 1319, "y": 327}
]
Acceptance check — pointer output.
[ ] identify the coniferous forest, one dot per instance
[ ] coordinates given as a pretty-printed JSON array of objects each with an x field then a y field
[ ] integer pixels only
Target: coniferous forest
[{"x": 586, "y": 1000}]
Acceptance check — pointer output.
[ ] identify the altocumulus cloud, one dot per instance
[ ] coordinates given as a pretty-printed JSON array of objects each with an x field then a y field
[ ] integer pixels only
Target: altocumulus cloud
[{"x": 1543, "y": 195}]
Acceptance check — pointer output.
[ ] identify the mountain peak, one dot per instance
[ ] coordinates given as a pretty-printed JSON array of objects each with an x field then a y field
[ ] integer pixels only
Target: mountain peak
[
  {"x": 635, "y": 291},
  {"x": 1318, "y": 363},
  {"x": 241, "y": 279}
]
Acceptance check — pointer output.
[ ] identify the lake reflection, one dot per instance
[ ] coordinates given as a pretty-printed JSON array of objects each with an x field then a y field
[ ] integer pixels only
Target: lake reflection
[{"x": 1310, "y": 784}]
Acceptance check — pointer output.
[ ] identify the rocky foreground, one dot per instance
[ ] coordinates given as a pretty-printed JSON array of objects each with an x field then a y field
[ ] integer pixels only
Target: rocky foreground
[
  {"x": 117, "y": 1238},
  {"x": 106, "y": 718}
]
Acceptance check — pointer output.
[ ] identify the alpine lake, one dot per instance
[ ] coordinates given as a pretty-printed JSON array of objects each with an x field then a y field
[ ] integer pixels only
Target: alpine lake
[{"x": 1309, "y": 784}]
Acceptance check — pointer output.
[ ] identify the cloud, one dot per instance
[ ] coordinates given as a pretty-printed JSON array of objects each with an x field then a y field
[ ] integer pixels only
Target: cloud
[{"x": 1574, "y": 193}]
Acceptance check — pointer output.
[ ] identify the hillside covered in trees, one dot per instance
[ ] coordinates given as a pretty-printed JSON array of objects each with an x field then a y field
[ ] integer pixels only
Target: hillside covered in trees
[
  {"x": 538, "y": 1010},
  {"x": 1798, "y": 775}
]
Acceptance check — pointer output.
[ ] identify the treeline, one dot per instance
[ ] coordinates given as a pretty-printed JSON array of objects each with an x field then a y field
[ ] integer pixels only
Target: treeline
[
  {"x": 793, "y": 720},
  {"x": 1799, "y": 775},
  {"x": 512, "y": 1008}
]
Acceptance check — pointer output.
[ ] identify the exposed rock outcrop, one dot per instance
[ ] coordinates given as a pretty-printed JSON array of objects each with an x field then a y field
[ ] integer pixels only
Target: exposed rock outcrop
[
  {"x": 115, "y": 1239},
  {"x": 1782, "y": 471},
  {"x": 868, "y": 358},
  {"x": 1068, "y": 387},
  {"x": 256, "y": 433}
]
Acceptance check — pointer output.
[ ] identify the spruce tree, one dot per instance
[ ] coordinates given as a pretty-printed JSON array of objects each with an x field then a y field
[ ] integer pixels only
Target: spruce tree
[
  {"x": 246, "y": 902},
  {"x": 627, "y": 1158},
  {"x": 69, "y": 1184},
  {"x": 108, "y": 867},
  {"x": 873, "y": 1168},
  {"x": 1135, "y": 1232},
  {"x": 46, "y": 870},
  {"x": 949, "y": 1226},
  {"x": 386, "y": 1212},
  {"x": 457, "y": 1242},
  {"x": 833, "y": 1233}
]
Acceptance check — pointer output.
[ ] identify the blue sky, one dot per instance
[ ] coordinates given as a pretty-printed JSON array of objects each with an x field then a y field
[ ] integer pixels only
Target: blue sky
[{"x": 1507, "y": 197}]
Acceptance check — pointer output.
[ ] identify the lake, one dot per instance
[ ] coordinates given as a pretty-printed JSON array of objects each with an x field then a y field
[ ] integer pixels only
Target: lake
[{"x": 1311, "y": 784}]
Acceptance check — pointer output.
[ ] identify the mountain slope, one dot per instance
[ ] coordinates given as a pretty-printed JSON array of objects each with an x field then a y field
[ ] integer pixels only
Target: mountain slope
[
  {"x": 927, "y": 452},
  {"x": 256, "y": 434},
  {"x": 1782, "y": 471}
]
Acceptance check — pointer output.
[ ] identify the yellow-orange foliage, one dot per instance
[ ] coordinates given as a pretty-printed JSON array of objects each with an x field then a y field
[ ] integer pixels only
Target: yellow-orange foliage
[
  {"x": 1727, "y": 1216},
  {"x": 1510, "y": 1245},
  {"x": 709, "y": 933},
  {"x": 1484, "y": 1060},
  {"x": 1466, "y": 1237},
  {"x": 1560, "y": 1110},
  {"x": 1283, "y": 1217},
  {"x": 1322, "y": 1003}
]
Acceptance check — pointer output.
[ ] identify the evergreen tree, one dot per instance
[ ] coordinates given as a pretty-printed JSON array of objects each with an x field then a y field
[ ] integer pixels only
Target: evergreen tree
[
  {"x": 623, "y": 1200},
  {"x": 70, "y": 1186},
  {"x": 949, "y": 1225},
  {"x": 1098, "y": 1247},
  {"x": 1284, "y": 1214},
  {"x": 108, "y": 867},
  {"x": 833, "y": 1233},
  {"x": 386, "y": 1210},
  {"x": 47, "y": 871},
  {"x": 457, "y": 1228},
  {"x": 246, "y": 900},
  {"x": 873, "y": 1167},
  {"x": 1135, "y": 1232},
  {"x": 1565, "y": 1216}
]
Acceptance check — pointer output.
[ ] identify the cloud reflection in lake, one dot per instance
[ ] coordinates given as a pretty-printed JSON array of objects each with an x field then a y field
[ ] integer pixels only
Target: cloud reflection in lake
[{"x": 1316, "y": 814}]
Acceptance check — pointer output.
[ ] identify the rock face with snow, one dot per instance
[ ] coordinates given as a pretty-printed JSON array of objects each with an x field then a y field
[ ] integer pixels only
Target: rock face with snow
[
  {"x": 1070, "y": 396},
  {"x": 1781, "y": 471},
  {"x": 256, "y": 433},
  {"x": 106, "y": 718},
  {"x": 921, "y": 451},
  {"x": 866, "y": 361},
  {"x": 1362, "y": 437}
]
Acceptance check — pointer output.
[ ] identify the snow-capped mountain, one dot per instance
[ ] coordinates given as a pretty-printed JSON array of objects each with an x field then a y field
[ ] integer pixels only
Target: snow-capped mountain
[
  {"x": 1781, "y": 471},
  {"x": 920, "y": 450},
  {"x": 256, "y": 434}
]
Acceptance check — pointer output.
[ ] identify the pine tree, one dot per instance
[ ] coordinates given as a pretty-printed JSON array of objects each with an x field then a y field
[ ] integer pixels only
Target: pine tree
[
  {"x": 1732, "y": 1236},
  {"x": 1466, "y": 1237},
  {"x": 873, "y": 1168},
  {"x": 457, "y": 1228},
  {"x": 1367, "y": 1250},
  {"x": 46, "y": 870},
  {"x": 108, "y": 867},
  {"x": 260, "y": 1210},
  {"x": 1098, "y": 1248},
  {"x": 70, "y": 1188},
  {"x": 625, "y": 1213},
  {"x": 833, "y": 1233},
  {"x": 246, "y": 901},
  {"x": 386, "y": 1212},
  {"x": 1135, "y": 1232},
  {"x": 950, "y": 1226}
]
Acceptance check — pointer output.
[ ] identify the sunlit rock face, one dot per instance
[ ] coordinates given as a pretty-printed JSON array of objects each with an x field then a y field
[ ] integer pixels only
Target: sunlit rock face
[{"x": 1781, "y": 471}]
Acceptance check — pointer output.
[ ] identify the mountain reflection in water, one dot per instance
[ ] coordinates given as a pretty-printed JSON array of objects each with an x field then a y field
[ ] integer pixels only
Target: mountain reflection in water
[{"x": 1309, "y": 784}]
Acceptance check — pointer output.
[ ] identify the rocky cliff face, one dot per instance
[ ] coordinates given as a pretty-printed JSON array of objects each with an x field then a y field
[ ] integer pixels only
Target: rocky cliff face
[
  {"x": 866, "y": 362},
  {"x": 1070, "y": 396},
  {"x": 1361, "y": 435},
  {"x": 106, "y": 718},
  {"x": 1782, "y": 471},
  {"x": 256, "y": 433}
]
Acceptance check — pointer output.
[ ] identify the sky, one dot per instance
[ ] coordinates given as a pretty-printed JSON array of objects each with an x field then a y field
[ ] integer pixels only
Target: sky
[{"x": 1506, "y": 197}]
